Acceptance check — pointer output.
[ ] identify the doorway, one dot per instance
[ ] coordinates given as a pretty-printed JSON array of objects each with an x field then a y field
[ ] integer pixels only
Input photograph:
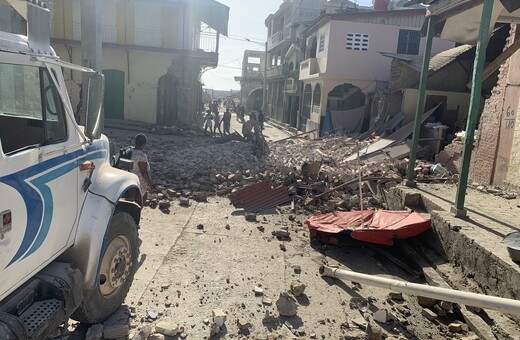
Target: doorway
[{"x": 114, "y": 102}]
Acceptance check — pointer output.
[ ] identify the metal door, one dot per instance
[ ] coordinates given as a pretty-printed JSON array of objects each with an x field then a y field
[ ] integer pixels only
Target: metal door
[{"x": 114, "y": 94}]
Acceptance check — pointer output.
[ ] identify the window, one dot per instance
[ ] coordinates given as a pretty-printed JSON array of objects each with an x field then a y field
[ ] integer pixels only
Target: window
[
  {"x": 322, "y": 42},
  {"x": 409, "y": 42},
  {"x": 358, "y": 41},
  {"x": 31, "y": 113}
]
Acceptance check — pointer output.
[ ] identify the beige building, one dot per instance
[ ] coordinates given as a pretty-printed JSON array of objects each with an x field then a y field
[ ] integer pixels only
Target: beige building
[
  {"x": 152, "y": 54},
  {"x": 252, "y": 80}
]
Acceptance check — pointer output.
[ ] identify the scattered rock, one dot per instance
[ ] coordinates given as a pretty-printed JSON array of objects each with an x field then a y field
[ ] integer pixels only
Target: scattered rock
[
  {"x": 200, "y": 227},
  {"x": 429, "y": 314},
  {"x": 269, "y": 317},
  {"x": 360, "y": 322},
  {"x": 447, "y": 306},
  {"x": 144, "y": 333},
  {"x": 228, "y": 227},
  {"x": 381, "y": 316},
  {"x": 297, "y": 269},
  {"x": 250, "y": 217},
  {"x": 267, "y": 301},
  {"x": 156, "y": 336},
  {"x": 374, "y": 332},
  {"x": 282, "y": 247},
  {"x": 164, "y": 205},
  {"x": 455, "y": 327},
  {"x": 286, "y": 305},
  {"x": 167, "y": 329},
  {"x": 398, "y": 296},
  {"x": 426, "y": 302},
  {"x": 281, "y": 233},
  {"x": 115, "y": 331},
  {"x": 297, "y": 288},
  {"x": 219, "y": 317},
  {"x": 243, "y": 325},
  {"x": 184, "y": 202},
  {"x": 258, "y": 291},
  {"x": 152, "y": 314}
]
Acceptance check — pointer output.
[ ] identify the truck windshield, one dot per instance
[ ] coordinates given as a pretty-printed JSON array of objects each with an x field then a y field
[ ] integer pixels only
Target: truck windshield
[{"x": 31, "y": 113}]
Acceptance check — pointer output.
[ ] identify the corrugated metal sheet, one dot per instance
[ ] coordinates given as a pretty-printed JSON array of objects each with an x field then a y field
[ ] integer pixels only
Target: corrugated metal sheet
[{"x": 259, "y": 197}]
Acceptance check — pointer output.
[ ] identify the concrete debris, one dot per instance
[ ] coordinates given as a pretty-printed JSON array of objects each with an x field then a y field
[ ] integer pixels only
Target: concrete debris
[
  {"x": 429, "y": 314},
  {"x": 152, "y": 314},
  {"x": 115, "y": 331},
  {"x": 243, "y": 325},
  {"x": 258, "y": 291},
  {"x": 250, "y": 217},
  {"x": 184, "y": 202},
  {"x": 269, "y": 317},
  {"x": 426, "y": 302},
  {"x": 143, "y": 333},
  {"x": 267, "y": 301},
  {"x": 156, "y": 336},
  {"x": 381, "y": 316},
  {"x": 455, "y": 327},
  {"x": 167, "y": 329},
  {"x": 219, "y": 317},
  {"x": 286, "y": 305},
  {"x": 398, "y": 296},
  {"x": 297, "y": 288}
]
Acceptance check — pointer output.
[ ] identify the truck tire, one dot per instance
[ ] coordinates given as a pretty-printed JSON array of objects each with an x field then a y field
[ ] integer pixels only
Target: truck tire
[{"x": 116, "y": 271}]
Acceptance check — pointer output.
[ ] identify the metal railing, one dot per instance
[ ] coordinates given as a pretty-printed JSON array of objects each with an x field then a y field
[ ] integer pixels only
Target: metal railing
[
  {"x": 148, "y": 37},
  {"x": 108, "y": 33}
]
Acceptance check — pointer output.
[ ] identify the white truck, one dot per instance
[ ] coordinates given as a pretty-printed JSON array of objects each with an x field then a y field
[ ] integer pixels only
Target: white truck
[{"x": 68, "y": 220}]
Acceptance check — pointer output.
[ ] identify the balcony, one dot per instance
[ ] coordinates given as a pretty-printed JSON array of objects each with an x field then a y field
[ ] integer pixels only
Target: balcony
[
  {"x": 277, "y": 71},
  {"x": 108, "y": 33},
  {"x": 291, "y": 86},
  {"x": 309, "y": 68}
]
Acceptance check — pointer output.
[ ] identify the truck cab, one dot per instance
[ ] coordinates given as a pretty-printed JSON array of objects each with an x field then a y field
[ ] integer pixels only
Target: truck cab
[{"x": 68, "y": 219}]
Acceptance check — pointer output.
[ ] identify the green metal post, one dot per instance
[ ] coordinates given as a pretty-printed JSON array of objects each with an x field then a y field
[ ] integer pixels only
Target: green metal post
[
  {"x": 421, "y": 102},
  {"x": 474, "y": 107}
]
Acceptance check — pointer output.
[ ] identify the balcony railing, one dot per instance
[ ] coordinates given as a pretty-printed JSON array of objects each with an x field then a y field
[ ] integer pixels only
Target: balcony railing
[
  {"x": 108, "y": 33},
  {"x": 291, "y": 85},
  {"x": 309, "y": 67},
  {"x": 277, "y": 71},
  {"x": 203, "y": 41},
  {"x": 277, "y": 38}
]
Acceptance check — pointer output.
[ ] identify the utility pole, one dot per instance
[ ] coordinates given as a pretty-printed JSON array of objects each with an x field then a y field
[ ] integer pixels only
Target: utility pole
[{"x": 91, "y": 48}]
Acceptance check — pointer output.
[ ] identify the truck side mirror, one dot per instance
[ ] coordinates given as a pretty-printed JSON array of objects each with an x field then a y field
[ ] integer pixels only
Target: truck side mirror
[{"x": 95, "y": 119}]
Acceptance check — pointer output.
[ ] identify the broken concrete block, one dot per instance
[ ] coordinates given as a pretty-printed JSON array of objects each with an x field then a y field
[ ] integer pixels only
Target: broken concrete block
[
  {"x": 286, "y": 305},
  {"x": 269, "y": 317},
  {"x": 243, "y": 325},
  {"x": 184, "y": 202},
  {"x": 144, "y": 333},
  {"x": 429, "y": 314},
  {"x": 219, "y": 317},
  {"x": 297, "y": 288},
  {"x": 115, "y": 331},
  {"x": 267, "y": 301},
  {"x": 258, "y": 291},
  {"x": 381, "y": 316},
  {"x": 164, "y": 205},
  {"x": 167, "y": 329},
  {"x": 447, "y": 306},
  {"x": 398, "y": 296},
  {"x": 455, "y": 327},
  {"x": 156, "y": 336},
  {"x": 426, "y": 302},
  {"x": 95, "y": 332},
  {"x": 152, "y": 314}
]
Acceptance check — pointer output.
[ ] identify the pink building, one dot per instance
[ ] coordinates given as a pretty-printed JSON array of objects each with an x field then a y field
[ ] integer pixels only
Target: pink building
[{"x": 344, "y": 69}]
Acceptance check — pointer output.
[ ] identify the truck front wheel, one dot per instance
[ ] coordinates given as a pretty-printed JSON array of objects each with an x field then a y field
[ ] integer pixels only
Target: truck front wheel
[{"x": 116, "y": 271}]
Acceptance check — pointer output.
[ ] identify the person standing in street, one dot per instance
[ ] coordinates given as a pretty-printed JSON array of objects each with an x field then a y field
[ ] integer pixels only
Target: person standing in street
[
  {"x": 141, "y": 166},
  {"x": 261, "y": 118},
  {"x": 226, "y": 119},
  {"x": 208, "y": 123},
  {"x": 216, "y": 124}
]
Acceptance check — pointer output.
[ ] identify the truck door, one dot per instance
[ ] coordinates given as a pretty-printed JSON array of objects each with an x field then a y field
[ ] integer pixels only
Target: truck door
[{"x": 38, "y": 174}]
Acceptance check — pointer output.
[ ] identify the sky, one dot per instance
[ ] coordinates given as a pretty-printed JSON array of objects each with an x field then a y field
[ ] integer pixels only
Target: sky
[{"x": 246, "y": 20}]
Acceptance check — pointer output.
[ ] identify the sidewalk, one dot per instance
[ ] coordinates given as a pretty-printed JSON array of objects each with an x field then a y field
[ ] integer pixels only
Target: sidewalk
[{"x": 474, "y": 243}]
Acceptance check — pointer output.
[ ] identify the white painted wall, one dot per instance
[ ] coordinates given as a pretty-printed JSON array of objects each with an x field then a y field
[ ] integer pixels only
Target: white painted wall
[{"x": 455, "y": 99}]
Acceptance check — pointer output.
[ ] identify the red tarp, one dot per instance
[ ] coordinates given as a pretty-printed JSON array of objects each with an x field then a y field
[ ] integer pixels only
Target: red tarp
[{"x": 374, "y": 226}]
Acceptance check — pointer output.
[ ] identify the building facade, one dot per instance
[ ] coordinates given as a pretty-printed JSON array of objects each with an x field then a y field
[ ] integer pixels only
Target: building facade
[
  {"x": 344, "y": 68},
  {"x": 152, "y": 54},
  {"x": 286, "y": 49},
  {"x": 252, "y": 80}
]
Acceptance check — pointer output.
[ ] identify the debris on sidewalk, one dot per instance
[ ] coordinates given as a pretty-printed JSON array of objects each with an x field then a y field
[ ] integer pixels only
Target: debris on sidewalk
[{"x": 259, "y": 197}]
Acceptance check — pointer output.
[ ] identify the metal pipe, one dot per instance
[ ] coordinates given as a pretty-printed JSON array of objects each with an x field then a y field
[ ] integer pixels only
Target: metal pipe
[
  {"x": 474, "y": 107},
  {"x": 503, "y": 305},
  {"x": 421, "y": 101}
]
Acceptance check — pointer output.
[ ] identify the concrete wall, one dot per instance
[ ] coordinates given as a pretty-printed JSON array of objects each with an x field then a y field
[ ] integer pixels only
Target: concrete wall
[
  {"x": 369, "y": 64},
  {"x": 141, "y": 78},
  {"x": 455, "y": 99}
]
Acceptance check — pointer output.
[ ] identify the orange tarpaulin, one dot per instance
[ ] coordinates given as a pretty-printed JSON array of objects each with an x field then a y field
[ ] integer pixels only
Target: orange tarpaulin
[{"x": 374, "y": 226}]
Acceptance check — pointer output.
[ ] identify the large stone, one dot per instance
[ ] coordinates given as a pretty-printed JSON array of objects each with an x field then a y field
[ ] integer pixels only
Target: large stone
[
  {"x": 297, "y": 288},
  {"x": 219, "y": 317},
  {"x": 286, "y": 305},
  {"x": 167, "y": 329},
  {"x": 156, "y": 336}
]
